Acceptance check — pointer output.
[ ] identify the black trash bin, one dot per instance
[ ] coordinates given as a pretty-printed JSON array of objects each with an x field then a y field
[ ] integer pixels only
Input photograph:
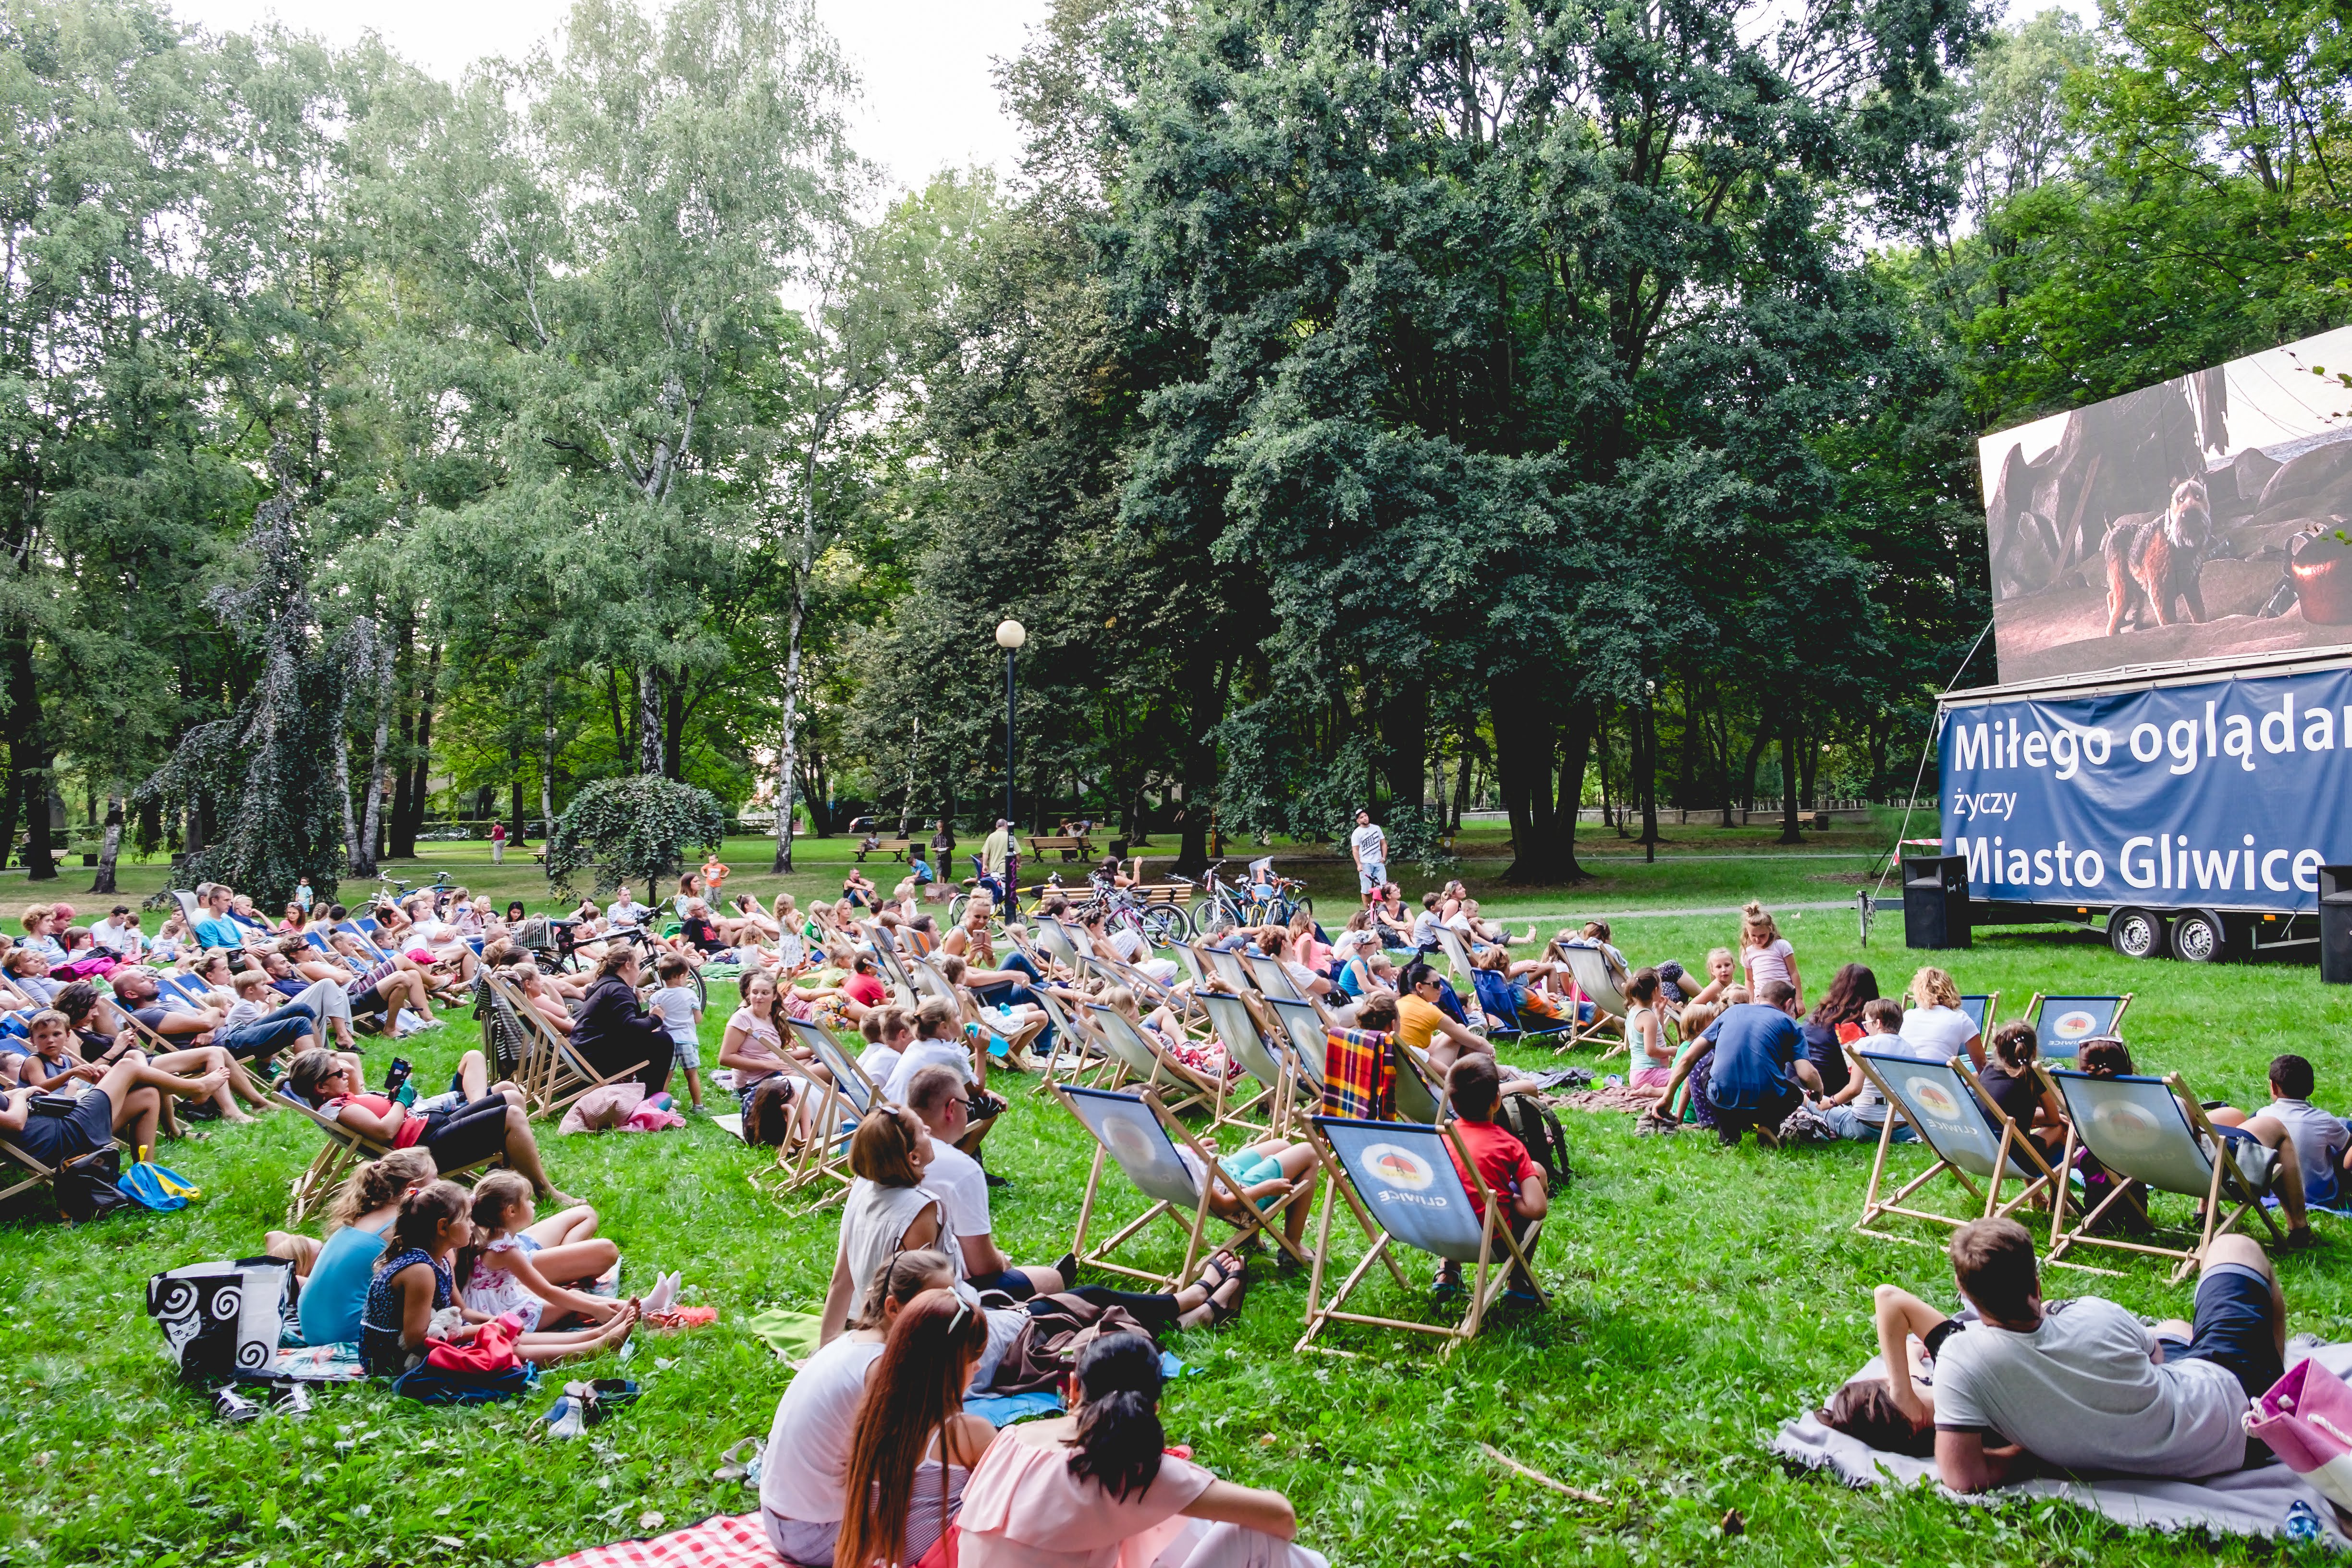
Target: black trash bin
[
  {"x": 2336, "y": 924},
  {"x": 1936, "y": 901}
]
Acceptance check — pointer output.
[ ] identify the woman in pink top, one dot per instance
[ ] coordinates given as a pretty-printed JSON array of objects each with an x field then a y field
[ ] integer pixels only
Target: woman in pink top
[{"x": 1093, "y": 1490}]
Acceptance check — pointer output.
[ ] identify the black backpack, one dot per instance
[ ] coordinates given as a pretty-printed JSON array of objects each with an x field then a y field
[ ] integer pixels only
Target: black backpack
[
  {"x": 1532, "y": 1122},
  {"x": 87, "y": 1187}
]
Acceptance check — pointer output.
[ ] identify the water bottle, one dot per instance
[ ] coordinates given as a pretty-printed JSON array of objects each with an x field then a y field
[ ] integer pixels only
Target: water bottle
[{"x": 2303, "y": 1522}]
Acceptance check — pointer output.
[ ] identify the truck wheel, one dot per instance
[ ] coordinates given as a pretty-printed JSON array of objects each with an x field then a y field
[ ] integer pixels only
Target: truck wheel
[
  {"x": 2135, "y": 933},
  {"x": 2200, "y": 937}
]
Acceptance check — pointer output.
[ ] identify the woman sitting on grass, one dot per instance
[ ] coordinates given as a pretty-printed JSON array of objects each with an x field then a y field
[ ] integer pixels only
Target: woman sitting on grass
[
  {"x": 1097, "y": 1487},
  {"x": 335, "y": 1273},
  {"x": 415, "y": 1281},
  {"x": 913, "y": 1447}
]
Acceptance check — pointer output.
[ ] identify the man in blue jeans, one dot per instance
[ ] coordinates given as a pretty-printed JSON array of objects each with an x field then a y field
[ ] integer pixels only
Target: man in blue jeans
[{"x": 255, "y": 1031}]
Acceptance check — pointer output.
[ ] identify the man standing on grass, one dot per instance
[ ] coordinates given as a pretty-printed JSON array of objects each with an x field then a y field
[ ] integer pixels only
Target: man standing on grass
[
  {"x": 998, "y": 859},
  {"x": 1371, "y": 848}
]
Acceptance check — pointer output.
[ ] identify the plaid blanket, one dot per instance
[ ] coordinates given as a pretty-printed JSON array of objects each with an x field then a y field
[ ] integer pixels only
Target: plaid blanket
[
  {"x": 723, "y": 1540},
  {"x": 1359, "y": 1075}
]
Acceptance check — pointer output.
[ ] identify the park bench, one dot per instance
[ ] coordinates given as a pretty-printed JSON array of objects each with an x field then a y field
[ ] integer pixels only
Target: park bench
[
  {"x": 895, "y": 849},
  {"x": 1072, "y": 849}
]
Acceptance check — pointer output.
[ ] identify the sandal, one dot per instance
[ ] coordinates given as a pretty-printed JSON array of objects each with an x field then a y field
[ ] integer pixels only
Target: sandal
[
  {"x": 1223, "y": 1271},
  {"x": 1221, "y": 1313}
]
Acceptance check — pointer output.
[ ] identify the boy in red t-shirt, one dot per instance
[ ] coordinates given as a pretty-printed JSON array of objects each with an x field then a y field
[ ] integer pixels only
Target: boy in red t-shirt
[{"x": 1473, "y": 1087}]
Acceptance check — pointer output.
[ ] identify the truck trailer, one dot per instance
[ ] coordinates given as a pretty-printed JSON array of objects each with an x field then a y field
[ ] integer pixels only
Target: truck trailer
[{"x": 2197, "y": 811}]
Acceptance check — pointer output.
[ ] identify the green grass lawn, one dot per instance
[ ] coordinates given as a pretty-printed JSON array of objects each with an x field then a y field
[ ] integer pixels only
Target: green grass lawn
[{"x": 1701, "y": 1297}]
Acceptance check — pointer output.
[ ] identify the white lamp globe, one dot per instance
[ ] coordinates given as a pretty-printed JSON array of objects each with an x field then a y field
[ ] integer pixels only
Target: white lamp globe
[{"x": 1010, "y": 634}]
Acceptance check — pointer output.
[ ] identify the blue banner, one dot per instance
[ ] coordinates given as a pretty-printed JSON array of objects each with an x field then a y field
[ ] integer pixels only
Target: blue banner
[{"x": 2224, "y": 795}]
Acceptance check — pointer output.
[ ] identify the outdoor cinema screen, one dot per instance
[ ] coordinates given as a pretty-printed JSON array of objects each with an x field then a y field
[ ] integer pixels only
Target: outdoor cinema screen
[{"x": 2195, "y": 518}]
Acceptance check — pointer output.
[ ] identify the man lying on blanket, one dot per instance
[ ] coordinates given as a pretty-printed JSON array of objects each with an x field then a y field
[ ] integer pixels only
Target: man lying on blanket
[{"x": 2078, "y": 1384}]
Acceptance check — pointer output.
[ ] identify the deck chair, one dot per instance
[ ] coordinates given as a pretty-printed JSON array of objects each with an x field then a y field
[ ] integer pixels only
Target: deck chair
[
  {"x": 2061, "y": 1024},
  {"x": 930, "y": 985},
  {"x": 554, "y": 1075},
  {"x": 1055, "y": 938},
  {"x": 896, "y": 974},
  {"x": 1077, "y": 1053},
  {"x": 1145, "y": 1059},
  {"x": 2153, "y": 1133},
  {"x": 1149, "y": 1144},
  {"x": 1503, "y": 1014},
  {"x": 1590, "y": 966},
  {"x": 36, "y": 1173},
  {"x": 861, "y": 1093},
  {"x": 1981, "y": 1009},
  {"x": 1229, "y": 967},
  {"x": 1235, "y": 1024},
  {"x": 1419, "y": 1092},
  {"x": 1308, "y": 1037},
  {"x": 345, "y": 1152},
  {"x": 1401, "y": 1173},
  {"x": 822, "y": 1160},
  {"x": 1968, "y": 1133},
  {"x": 1196, "y": 968},
  {"x": 1458, "y": 956},
  {"x": 1272, "y": 981}
]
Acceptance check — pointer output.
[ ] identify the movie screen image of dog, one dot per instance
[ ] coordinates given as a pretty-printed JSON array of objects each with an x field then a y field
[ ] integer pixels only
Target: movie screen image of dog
[{"x": 2197, "y": 519}]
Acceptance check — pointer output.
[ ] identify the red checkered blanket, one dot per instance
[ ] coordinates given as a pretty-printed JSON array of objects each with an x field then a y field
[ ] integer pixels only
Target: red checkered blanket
[
  {"x": 723, "y": 1540},
  {"x": 1359, "y": 1075}
]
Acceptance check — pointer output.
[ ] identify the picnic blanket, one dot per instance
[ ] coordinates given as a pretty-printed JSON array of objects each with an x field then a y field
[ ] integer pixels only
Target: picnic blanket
[
  {"x": 2240, "y": 1502},
  {"x": 723, "y": 1540},
  {"x": 1619, "y": 1098},
  {"x": 1359, "y": 1075}
]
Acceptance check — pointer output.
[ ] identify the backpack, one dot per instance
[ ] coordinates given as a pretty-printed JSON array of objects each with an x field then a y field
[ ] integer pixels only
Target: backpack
[
  {"x": 1532, "y": 1122},
  {"x": 87, "y": 1188}
]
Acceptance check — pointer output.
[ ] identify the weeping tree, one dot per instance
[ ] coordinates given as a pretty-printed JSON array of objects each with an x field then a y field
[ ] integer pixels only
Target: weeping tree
[
  {"x": 271, "y": 773},
  {"x": 637, "y": 830}
]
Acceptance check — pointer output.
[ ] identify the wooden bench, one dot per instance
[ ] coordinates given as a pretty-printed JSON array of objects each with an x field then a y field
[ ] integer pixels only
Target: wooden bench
[
  {"x": 1179, "y": 894},
  {"x": 894, "y": 847},
  {"x": 1078, "y": 848}
]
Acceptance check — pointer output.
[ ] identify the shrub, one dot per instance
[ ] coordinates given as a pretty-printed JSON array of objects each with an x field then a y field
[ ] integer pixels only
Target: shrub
[{"x": 637, "y": 829}]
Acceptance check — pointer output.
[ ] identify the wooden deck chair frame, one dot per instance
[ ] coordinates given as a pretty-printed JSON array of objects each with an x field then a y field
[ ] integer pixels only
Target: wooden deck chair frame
[
  {"x": 1230, "y": 968},
  {"x": 895, "y": 971},
  {"x": 1144, "y": 1059},
  {"x": 2225, "y": 1184},
  {"x": 2015, "y": 1158},
  {"x": 1590, "y": 966},
  {"x": 1193, "y": 1220},
  {"x": 1196, "y": 968},
  {"x": 1493, "y": 1277},
  {"x": 1248, "y": 1039},
  {"x": 554, "y": 1074},
  {"x": 2048, "y": 1050},
  {"x": 828, "y": 1048},
  {"x": 822, "y": 1159},
  {"x": 346, "y": 1151},
  {"x": 1059, "y": 945},
  {"x": 1074, "y": 1037},
  {"x": 21, "y": 1158}
]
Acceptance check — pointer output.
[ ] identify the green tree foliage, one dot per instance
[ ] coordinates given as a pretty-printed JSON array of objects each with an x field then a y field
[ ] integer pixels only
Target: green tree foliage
[{"x": 638, "y": 829}]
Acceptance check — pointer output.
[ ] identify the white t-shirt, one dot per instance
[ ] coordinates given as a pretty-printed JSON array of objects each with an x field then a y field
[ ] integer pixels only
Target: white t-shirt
[
  {"x": 2081, "y": 1392},
  {"x": 956, "y": 1179},
  {"x": 1426, "y": 927},
  {"x": 1765, "y": 963},
  {"x": 926, "y": 1054},
  {"x": 1130, "y": 947},
  {"x": 115, "y": 939},
  {"x": 1937, "y": 1034},
  {"x": 2320, "y": 1141},
  {"x": 674, "y": 1005},
  {"x": 1348, "y": 945},
  {"x": 1370, "y": 843},
  {"x": 878, "y": 1063},
  {"x": 628, "y": 913},
  {"x": 808, "y": 1444}
]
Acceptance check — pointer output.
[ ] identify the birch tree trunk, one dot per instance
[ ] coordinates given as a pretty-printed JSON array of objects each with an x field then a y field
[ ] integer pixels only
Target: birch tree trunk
[
  {"x": 547, "y": 771},
  {"x": 787, "y": 766},
  {"x": 363, "y": 864},
  {"x": 649, "y": 725}
]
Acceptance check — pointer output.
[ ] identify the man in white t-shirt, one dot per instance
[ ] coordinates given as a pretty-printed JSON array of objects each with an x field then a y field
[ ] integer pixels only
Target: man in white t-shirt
[
  {"x": 2081, "y": 1385},
  {"x": 119, "y": 932},
  {"x": 2323, "y": 1143},
  {"x": 1371, "y": 848},
  {"x": 943, "y": 1101}
]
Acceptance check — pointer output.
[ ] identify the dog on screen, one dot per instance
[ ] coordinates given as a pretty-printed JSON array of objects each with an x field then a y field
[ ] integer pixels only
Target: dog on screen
[{"x": 2153, "y": 558}]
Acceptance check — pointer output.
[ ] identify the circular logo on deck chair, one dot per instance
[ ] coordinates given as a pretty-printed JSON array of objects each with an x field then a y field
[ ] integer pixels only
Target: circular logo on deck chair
[
  {"x": 2074, "y": 1023},
  {"x": 1398, "y": 1167},
  {"x": 1934, "y": 1098},
  {"x": 1130, "y": 1144},
  {"x": 2128, "y": 1125}
]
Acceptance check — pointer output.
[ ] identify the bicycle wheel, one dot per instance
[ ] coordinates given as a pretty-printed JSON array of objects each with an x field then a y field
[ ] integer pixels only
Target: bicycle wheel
[
  {"x": 1165, "y": 925},
  {"x": 701, "y": 991},
  {"x": 1215, "y": 920},
  {"x": 1304, "y": 901}
]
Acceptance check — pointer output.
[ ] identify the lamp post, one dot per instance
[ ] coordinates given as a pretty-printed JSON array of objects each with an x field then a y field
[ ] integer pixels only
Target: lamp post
[{"x": 1010, "y": 635}]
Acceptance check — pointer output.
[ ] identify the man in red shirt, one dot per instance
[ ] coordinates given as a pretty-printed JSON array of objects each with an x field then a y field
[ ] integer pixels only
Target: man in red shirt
[{"x": 1474, "y": 1087}]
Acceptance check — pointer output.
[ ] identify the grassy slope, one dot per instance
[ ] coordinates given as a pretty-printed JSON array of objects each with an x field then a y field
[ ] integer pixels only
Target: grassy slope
[{"x": 1701, "y": 1297}]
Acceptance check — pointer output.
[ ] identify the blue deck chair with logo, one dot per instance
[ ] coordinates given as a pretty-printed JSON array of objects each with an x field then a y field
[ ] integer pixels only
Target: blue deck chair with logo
[
  {"x": 1981, "y": 1009},
  {"x": 1163, "y": 1160},
  {"x": 1400, "y": 1175},
  {"x": 2061, "y": 1024},
  {"x": 1500, "y": 1004},
  {"x": 1967, "y": 1131},
  {"x": 2154, "y": 1134}
]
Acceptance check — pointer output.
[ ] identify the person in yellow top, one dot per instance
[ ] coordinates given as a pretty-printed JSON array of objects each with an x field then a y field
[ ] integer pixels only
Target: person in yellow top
[{"x": 1426, "y": 1026}]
